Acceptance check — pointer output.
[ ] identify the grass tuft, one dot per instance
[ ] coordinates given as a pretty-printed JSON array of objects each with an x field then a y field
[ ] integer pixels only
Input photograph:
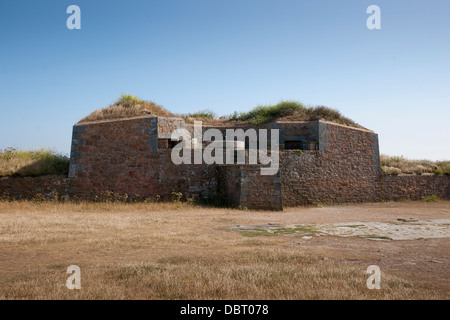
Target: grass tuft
[
  {"x": 204, "y": 114},
  {"x": 433, "y": 198},
  {"x": 128, "y": 98}
]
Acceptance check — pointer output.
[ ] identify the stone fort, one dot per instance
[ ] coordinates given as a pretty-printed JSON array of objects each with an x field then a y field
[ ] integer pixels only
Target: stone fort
[{"x": 319, "y": 162}]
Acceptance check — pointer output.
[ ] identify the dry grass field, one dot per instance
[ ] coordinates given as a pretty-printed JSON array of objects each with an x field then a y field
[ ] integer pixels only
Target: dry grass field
[{"x": 173, "y": 251}]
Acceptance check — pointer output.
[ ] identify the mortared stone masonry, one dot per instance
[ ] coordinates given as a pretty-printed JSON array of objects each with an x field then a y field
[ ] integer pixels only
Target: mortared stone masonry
[{"x": 320, "y": 162}]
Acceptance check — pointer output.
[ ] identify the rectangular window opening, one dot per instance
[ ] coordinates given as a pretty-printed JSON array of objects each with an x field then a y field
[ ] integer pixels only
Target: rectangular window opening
[{"x": 293, "y": 145}]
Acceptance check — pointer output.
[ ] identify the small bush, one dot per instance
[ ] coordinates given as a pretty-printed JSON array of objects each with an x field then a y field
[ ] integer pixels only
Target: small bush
[
  {"x": 263, "y": 114},
  {"x": 204, "y": 114},
  {"x": 176, "y": 197},
  {"x": 285, "y": 109},
  {"x": 441, "y": 171},
  {"x": 233, "y": 117},
  {"x": 433, "y": 198},
  {"x": 128, "y": 98}
]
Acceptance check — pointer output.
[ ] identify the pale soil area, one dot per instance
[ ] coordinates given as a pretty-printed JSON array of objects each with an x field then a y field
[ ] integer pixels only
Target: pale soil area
[
  {"x": 173, "y": 251},
  {"x": 419, "y": 233}
]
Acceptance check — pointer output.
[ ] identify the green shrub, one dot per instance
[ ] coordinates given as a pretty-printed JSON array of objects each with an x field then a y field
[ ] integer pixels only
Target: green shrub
[
  {"x": 266, "y": 113},
  {"x": 433, "y": 198},
  {"x": 128, "y": 98},
  {"x": 204, "y": 114},
  {"x": 263, "y": 114}
]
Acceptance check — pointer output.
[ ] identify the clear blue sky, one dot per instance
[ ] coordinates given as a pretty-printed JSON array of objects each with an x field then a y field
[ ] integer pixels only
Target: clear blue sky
[{"x": 227, "y": 55}]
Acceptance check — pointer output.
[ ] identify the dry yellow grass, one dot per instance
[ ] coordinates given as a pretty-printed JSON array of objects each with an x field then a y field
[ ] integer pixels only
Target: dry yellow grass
[
  {"x": 126, "y": 109},
  {"x": 164, "y": 251},
  {"x": 129, "y": 106},
  {"x": 130, "y": 109},
  {"x": 401, "y": 165}
]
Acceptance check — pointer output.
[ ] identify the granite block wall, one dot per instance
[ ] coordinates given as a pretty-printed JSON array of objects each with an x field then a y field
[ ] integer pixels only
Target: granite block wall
[
  {"x": 27, "y": 188},
  {"x": 394, "y": 188},
  {"x": 345, "y": 168},
  {"x": 244, "y": 186},
  {"x": 126, "y": 156},
  {"x": 328, "y": 163},
  {"x": 389, "y": 188}
]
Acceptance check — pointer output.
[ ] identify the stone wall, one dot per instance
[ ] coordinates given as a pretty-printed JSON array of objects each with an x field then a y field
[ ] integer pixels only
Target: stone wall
[
  {"x": 125, "y": 157},
  {"x": 345, "y": 168},
  {"x": 244, "y": 186},
  {"x": 393, "y": 188},
  {"x": 259, "y": 191},
  {"x": 229, "y": 185},
  {"x": 338, "y": 164},
  {"x": 235, "y": 187},
  {"x": 27, "y": 188}
]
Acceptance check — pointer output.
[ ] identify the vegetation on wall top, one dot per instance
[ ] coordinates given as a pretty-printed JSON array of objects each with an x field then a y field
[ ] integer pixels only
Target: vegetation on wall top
[
  {"x": 395, "y": 165},
  {"x": 31, "y": 163},
  {"x": 127, "y": 106}
]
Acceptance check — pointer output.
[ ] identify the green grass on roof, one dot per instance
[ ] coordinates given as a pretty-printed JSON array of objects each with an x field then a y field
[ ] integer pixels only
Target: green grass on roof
[
  {"x": 127, "y": 106},
  {"x": 294, "y": 110}
]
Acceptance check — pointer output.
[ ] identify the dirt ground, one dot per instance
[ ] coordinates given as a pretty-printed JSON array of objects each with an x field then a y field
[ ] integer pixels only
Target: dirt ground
[
  {"x": 144, "y": 251},
  {"x": 425, "y": 260}
]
